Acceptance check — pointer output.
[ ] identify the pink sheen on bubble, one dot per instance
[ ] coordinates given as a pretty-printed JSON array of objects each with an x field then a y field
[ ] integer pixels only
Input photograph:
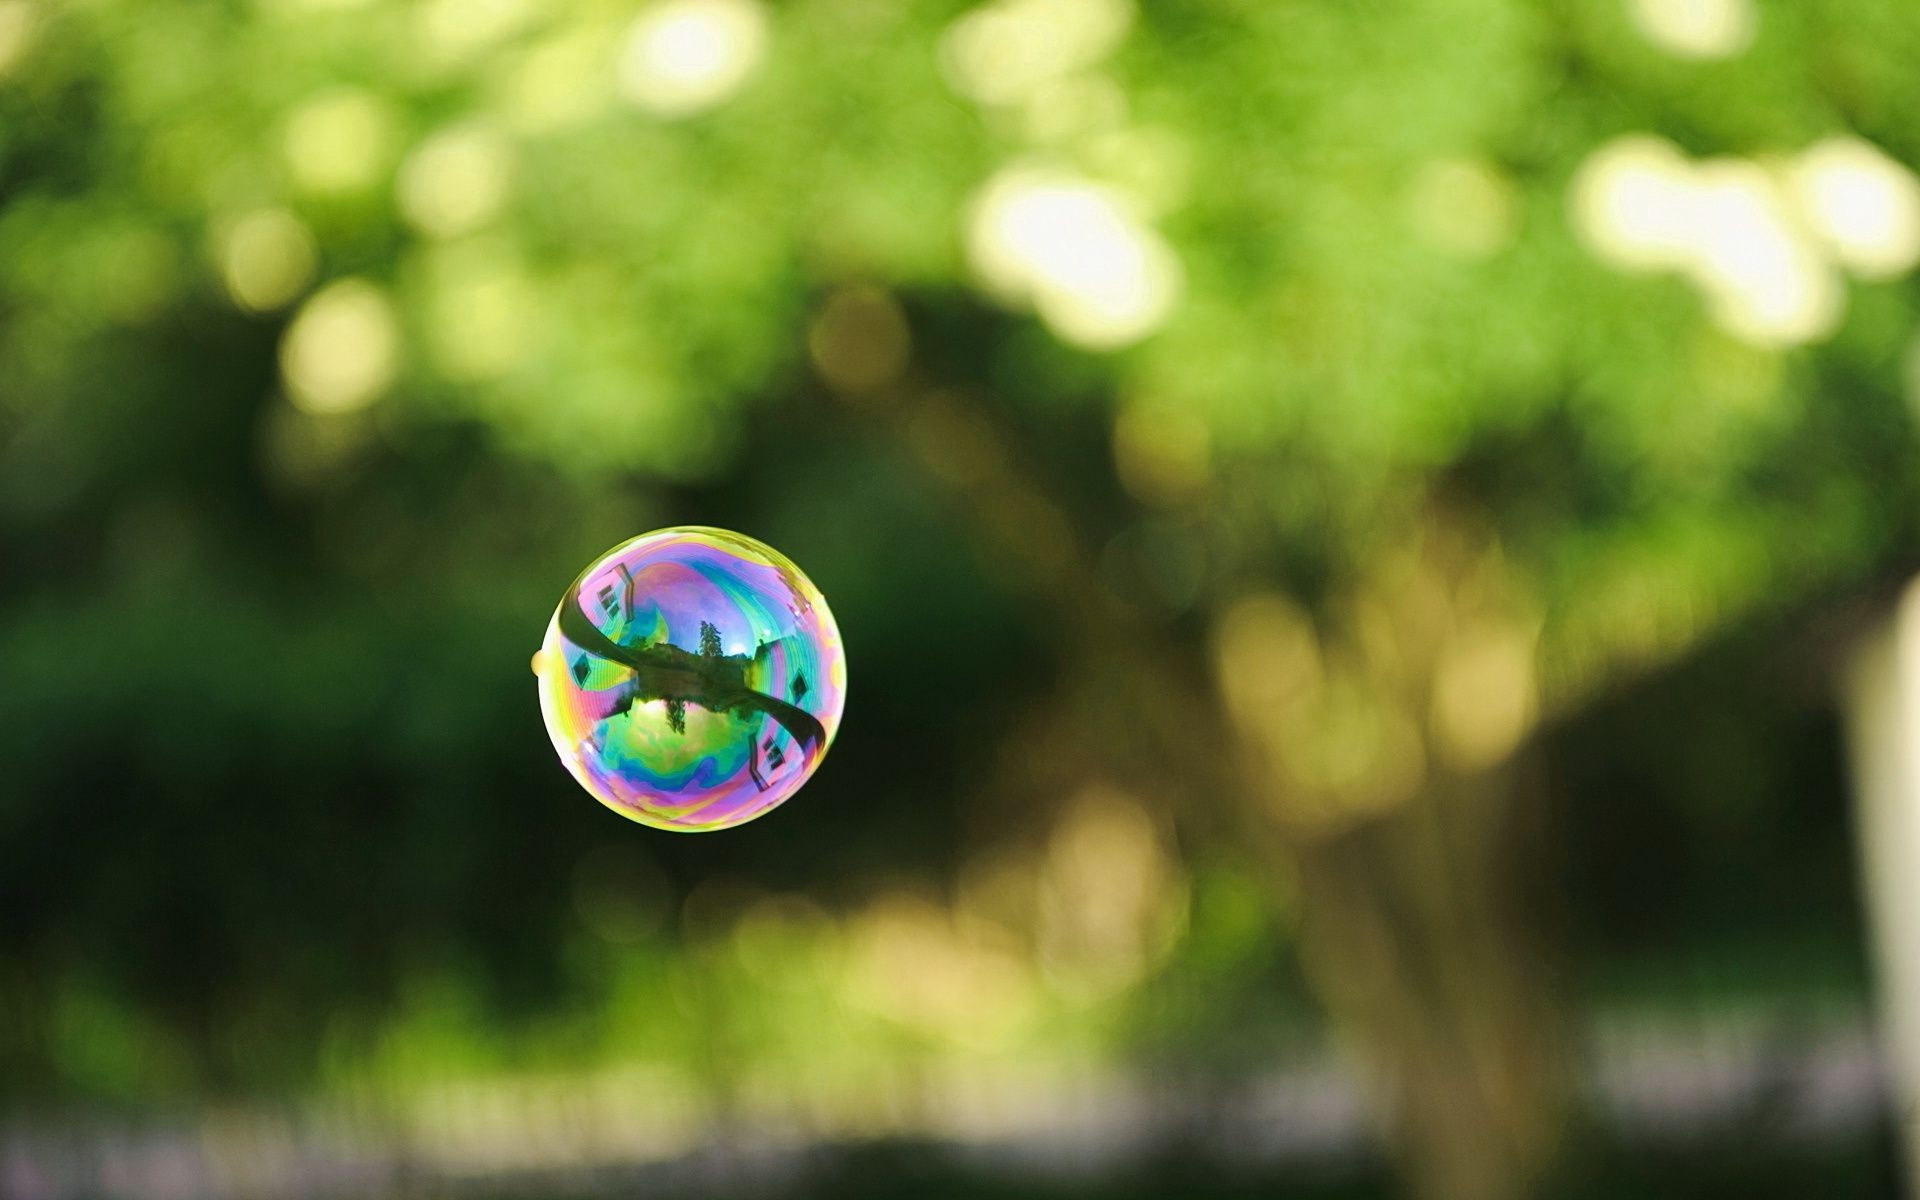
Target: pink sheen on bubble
[{"x": 692, "y": 678}]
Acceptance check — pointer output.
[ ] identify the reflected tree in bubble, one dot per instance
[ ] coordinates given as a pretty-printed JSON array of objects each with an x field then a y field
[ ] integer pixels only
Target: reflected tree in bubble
[{"x": 692, "y": 736}]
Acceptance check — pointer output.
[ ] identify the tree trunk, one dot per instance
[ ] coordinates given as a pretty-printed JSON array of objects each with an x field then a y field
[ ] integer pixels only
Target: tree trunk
[
  {"x": 1882, "y": 701},
  {"x": 1424, "y": 941}
]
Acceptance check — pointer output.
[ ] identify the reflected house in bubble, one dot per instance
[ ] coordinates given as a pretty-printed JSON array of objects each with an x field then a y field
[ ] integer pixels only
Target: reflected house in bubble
[
  {"x": 708, "y": 678},
  {"x": 658, "y": 705}
]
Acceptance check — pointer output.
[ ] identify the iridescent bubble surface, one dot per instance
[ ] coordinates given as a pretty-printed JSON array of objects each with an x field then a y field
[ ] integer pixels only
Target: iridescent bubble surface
[{"x": 692, "y": 678}]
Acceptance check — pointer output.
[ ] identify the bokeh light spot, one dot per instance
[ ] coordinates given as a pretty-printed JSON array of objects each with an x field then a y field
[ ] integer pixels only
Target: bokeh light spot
[
  {"x": 342, "y": 349},
  {"x": 682, "y": 56},
  {"x": 1075, "y": 108},
  {"x": 859, "y": 342},
  {"x": 1076, "y": 252},
  {"x": 1163, "y": 452},
  {"x": 1763, "y": 279},
  {"x": 266, "y": 258},
  {"x": 452, "y": 31},
  {"x": 1267, "y": 661},
  {"x": 910, "y": 962},
  {"x": 456, "y": 181},
  {"x": 1863, "y": 206},
  {"x": 1465, "y": 206},
  {"x": 340, "y": 140},
  {"x": 1004, "y": 52},
  {"x": 1632, "y": 203},
  {"x": 1483, "y": 696},
  {"x": 558, "y": 81},
  {"x": 1701, "y": 29},
  {"x": 1109, "y": 898},
  {"x": 1730, "y": 225},
  {"x": 17, "y": 18}
]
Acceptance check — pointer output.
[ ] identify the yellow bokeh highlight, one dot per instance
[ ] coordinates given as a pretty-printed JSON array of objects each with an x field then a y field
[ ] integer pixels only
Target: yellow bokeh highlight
[
  {"x": 1466, "y": 207},
  {"x": 1152, "y": 164},
  {"x": 1007, "y": 51},
  {"x": 340, "y": 140},
  {"x": 1110, "y": 900},
  {"x": 1266, "y": 658},
  {"x": 266, "y": 258},
  {"x": 1764, "y": 279},
  {"x": 558, "y": 81},
  {"x": 1075, "y": 251},
  {"x": 456, "y": 181},
  {"x": 1071, "y": 109},
  {"x": 453, "y": 31},
  {"x": 1696, "y": 29},
  {"x": 1484, "y": 696},
  {"x": 1632, "y": 203},
  {"x": 1861, "y": 204},
  {"x": 342, "y": 350},
  {"x": 911, "y": 961},
  {"x": 17, "y": 21},
  {"x": 1732, "y": 226},
  {"x": 682, "y": 56},
  {"x": 1162, "y": 451}
]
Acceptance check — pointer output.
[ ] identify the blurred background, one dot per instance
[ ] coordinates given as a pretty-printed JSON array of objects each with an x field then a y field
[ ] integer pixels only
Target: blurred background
[{"x": 1366, "y": 535}]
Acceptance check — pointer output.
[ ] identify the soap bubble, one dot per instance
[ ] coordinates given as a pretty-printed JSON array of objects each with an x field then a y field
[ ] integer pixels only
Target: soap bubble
[{"x": 692, "y": 678}]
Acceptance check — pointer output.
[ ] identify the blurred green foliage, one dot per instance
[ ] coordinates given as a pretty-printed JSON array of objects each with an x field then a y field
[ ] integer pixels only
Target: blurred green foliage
[{"x": 336, "y": 334}]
